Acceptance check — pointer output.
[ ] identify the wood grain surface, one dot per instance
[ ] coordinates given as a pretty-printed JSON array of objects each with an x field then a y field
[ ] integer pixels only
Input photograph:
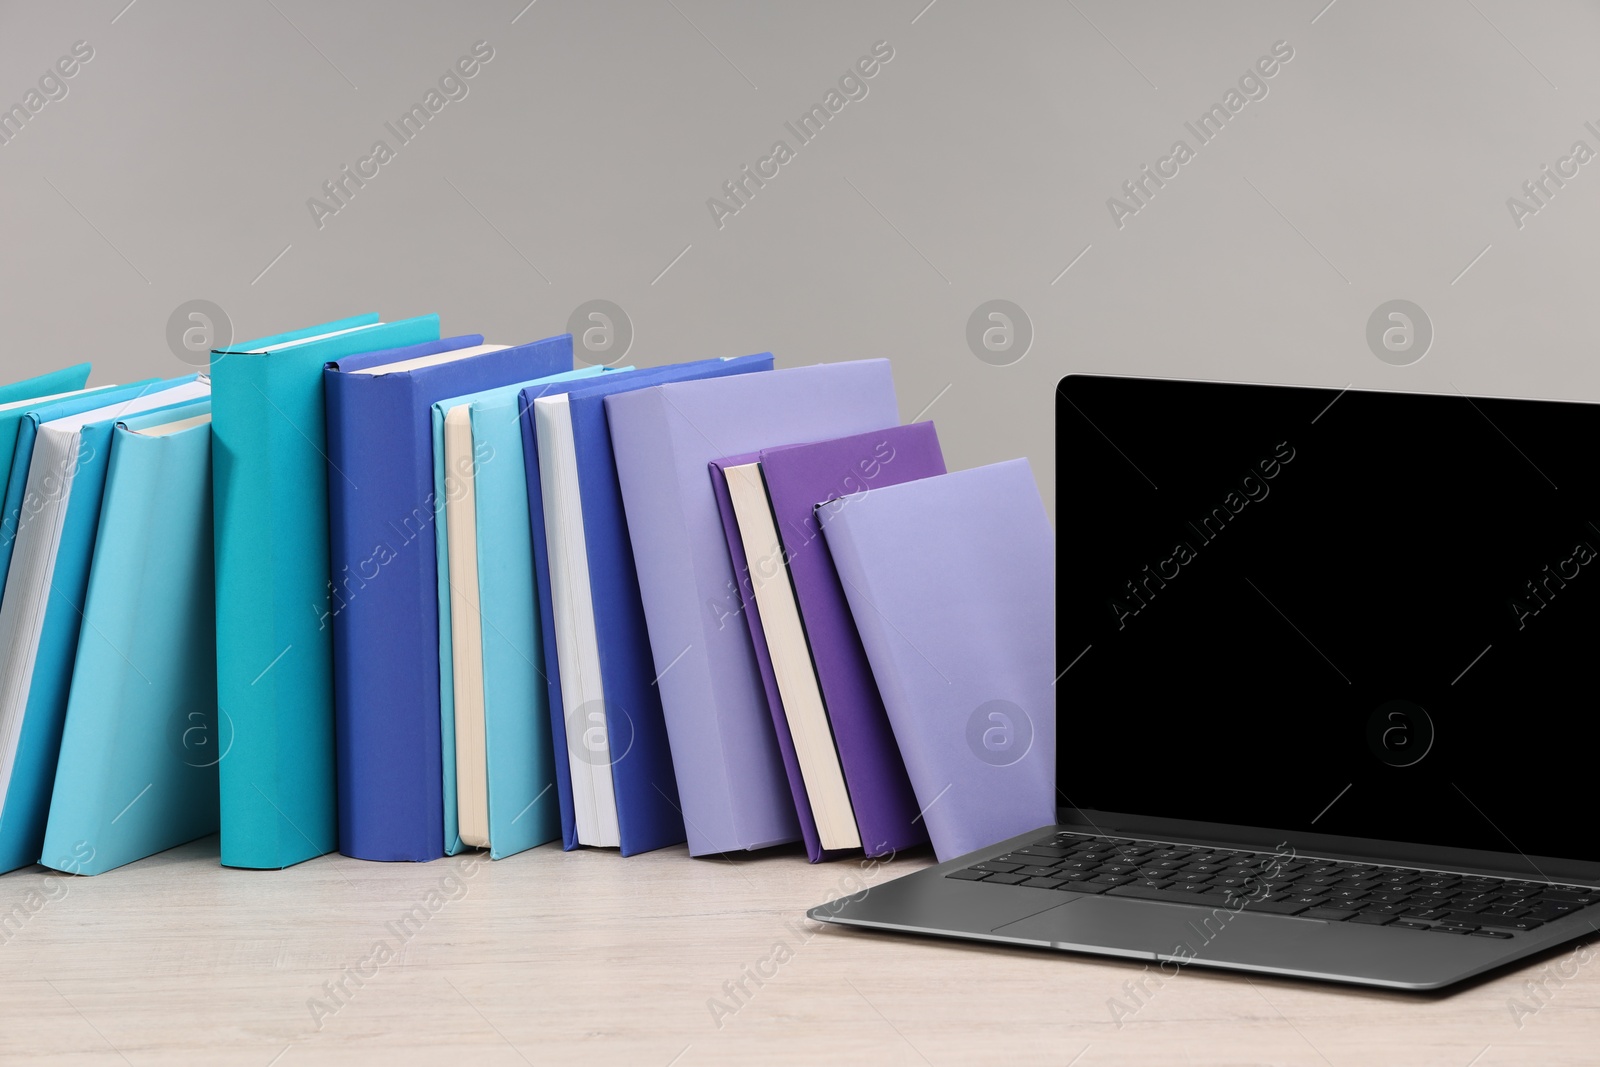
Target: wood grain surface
[{"x": 553, "y": 957}]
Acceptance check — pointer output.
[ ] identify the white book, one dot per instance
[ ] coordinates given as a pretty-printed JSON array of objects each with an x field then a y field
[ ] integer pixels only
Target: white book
[
  {"x": 803, "y": 705},
  {"x": 466, "y": 631},
  {"x": 588, "y": 754},
  {"x": 27, "y": 587}
]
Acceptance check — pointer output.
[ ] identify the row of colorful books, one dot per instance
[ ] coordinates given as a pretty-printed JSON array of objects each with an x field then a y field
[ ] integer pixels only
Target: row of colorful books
[{"x": 366, "y": 589}]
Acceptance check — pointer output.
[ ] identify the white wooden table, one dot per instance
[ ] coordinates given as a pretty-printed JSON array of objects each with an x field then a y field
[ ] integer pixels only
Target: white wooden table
[{"x": 554, "y": 957}]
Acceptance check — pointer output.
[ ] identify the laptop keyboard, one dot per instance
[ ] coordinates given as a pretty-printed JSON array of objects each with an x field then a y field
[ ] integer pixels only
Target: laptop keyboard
[{"x": 1265, "y": 883}]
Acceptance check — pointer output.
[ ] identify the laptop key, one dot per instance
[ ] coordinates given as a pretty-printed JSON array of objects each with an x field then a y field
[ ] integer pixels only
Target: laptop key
[
  {"x": 1042, "y": 883},
  {"x": 1005, "y": 879},
  {"x": 1086, "y": 888},
  {"x": 996, "y": 867},
  {"x": 1372, "y": 918},
  {"x": 1274, "y": 907},
  {"x": 971, "y": 874},
  {"x": 1330, "y": 914},
  {"x": 1495, "y": 923},
  {"x": 1407, "y": 924},
  {"x": 1178, "y": 896}
]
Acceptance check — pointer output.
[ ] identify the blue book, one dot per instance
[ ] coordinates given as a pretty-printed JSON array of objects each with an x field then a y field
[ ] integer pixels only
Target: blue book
[
  {"x": 42, "y": 612},
  {"x": 607, "y": 723},
  {"x": 501, "y": 770},
  {"x": 383, "y": 605},
  {"x": 137, "y": 773},
  {"x": 19, "y": 424},
  {"x": 269, "y": 478}
]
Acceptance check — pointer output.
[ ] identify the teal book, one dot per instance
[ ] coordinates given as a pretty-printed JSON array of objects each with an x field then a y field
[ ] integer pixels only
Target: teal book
[
  {"x": 494, "y": 723},
  {"x": 17, "y": 397},
  {"x": 41, "y": 615},
  {"x": 137, "y": 773},
  {"x": 19, "y": 425},
  {"x": 42, "y": 386},
  {"x": 274, "y": 638}
]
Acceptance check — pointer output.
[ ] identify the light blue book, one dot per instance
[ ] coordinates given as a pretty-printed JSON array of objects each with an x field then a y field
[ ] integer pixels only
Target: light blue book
[
  {"x": 492, "y": 685},
  {"x": 137, "y": 772},
  {"x": 42, "y": 613}
]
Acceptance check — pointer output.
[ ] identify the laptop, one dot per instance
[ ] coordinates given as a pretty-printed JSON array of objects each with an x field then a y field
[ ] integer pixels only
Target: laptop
[{"x": 1327, "y": 695}]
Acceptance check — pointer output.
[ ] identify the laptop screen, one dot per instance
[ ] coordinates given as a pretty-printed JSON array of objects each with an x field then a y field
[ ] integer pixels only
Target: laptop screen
[{"x": 1335, "y": 612}]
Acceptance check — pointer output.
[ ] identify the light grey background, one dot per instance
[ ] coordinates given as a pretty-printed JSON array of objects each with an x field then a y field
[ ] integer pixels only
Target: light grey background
[{"x": 978, "y": 167}]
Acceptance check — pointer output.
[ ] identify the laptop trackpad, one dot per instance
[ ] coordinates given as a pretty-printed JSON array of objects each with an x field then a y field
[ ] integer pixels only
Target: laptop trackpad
[{"x": 1114, "y": 923}]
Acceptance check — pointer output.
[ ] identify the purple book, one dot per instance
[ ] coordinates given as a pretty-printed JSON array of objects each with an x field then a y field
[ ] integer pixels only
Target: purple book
[
  {"x": 730, "y": 773},
  {"x": 798, "y": 479},
  {"x": 951, "y": 581},
  {"x": 746, "y": 609}
]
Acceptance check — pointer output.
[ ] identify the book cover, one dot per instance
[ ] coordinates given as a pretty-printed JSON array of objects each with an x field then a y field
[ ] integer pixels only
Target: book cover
[
  {"x": 41, "y": 617},
  {"x": 523, "y": 808},
  {"x": 647, "y": 826},
  {"x": 383, "y": 608},
  {"x": 19, "y": 428},
  {"x": 137, "y": 771},
  {"x": 798, "y": 478},
  {"x": 731, "y": 781},
  {"x": 951, "y": 582},
  {"x": 274, "y": 647}
]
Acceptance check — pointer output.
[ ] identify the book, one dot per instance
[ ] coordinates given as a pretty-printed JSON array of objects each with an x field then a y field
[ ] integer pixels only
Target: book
[
  {"x": 137, "y": 771},
  {"x": 17, "y": 397},
  {"x": 383, "y": 607},
  {"x": 951, "y": 582},
  {"x": 582, "y": 711},
  {"x": 19, "y": 426},
  {"x": 42, "y": 612},
  {"x": 45, "y": 386},
  {"x": 828, "y": 650},
  {"x": 611, "y": 727},
  {"x": 273, "y": 578},
  {"x": 731, "y": 781},
  {"x": 805, "y": 740},
  {"x": 502, "y": 772}
]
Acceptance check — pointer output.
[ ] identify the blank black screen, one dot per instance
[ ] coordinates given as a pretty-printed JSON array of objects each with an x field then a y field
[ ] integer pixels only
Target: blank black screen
[{"x": 1343, "y": 612}]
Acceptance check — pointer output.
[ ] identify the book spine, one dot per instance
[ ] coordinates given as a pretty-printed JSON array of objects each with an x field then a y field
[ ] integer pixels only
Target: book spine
[
  {"x": 547, "y": 620},
  {"x": 383, "y": 616},
  {"x": 241, "y": 523}
]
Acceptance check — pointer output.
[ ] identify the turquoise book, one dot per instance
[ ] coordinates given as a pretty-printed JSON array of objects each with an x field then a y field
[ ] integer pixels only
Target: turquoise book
[
  {"x": 19, "y": 426},
  {"x": 269, "y": 481},
  {"x": 137, "y": 773},
  {"x": 41, "y": 614},
  {"x": 17, "y": 397},
  {"x": 499, "y": 759},
  {"x": 47, "y": 385}
]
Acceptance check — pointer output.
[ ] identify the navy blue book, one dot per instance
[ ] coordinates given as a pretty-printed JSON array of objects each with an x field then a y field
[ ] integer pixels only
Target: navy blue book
[
  {"x": 383, "y": 600},
  {"x": 635, "y": 748}
]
